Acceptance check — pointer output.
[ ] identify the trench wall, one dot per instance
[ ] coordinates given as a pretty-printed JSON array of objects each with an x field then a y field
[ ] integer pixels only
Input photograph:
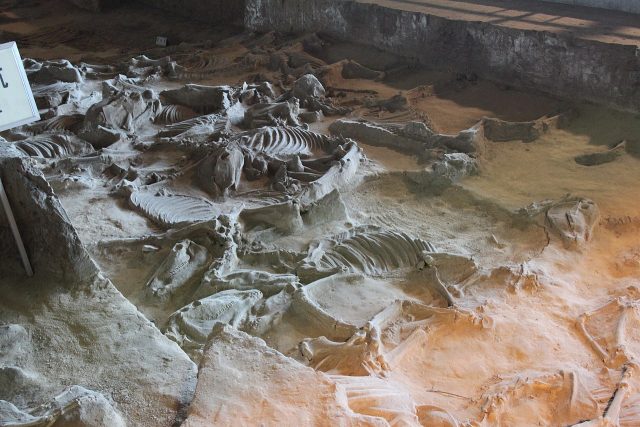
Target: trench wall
[
  {"x": 558, "y": 64},
  {"x": 632, "y": 6}
]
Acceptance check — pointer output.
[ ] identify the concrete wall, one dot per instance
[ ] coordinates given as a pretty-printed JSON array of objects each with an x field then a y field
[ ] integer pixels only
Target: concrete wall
[
  {"x": 554, "y": 63},
  {"x": 632, "y": 6}
]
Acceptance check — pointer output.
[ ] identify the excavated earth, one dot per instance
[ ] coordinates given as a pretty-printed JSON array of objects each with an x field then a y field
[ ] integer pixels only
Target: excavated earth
[{"x": 266, "y": 229}]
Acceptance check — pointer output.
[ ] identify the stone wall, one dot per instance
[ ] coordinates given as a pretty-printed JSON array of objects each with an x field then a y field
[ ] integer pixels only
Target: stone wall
[{"x": 557, "y": 64}]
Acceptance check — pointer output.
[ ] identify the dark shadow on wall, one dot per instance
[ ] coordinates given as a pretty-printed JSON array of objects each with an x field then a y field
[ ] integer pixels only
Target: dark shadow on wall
[
  {"x": 209, "y": 11},
  {"x": 618, "y": 127},
  {"x": 51, "y": 29},
  {"x": 98, "y": 5}
]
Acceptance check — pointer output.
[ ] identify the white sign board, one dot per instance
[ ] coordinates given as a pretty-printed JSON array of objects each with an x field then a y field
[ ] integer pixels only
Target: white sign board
[{"x": 17, "y": 106}]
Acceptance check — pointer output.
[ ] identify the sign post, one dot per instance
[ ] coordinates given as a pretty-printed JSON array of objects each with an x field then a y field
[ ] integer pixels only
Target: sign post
[{"x": 17, "y": 108}]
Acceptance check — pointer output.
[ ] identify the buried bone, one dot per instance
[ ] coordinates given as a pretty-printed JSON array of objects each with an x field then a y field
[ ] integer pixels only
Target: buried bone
[
  {"x": 269, "y": 114},
  {"x": 178, "y": 270},
  {"x": 204, "y": 99},
  {"x": 76, "y": 406},
  {"x": 573, "y": 221},
  {"x": 611, "y": 329},
  {"x": 191, "y": 325},
  {"x": 220, "y": 172},
  {"x": 117, "y": 114},
  {"x": 360, "y": 355}
]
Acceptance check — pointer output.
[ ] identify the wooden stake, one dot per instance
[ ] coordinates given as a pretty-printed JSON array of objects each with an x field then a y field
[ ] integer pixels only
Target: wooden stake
[{"x": 14, "y": 230}]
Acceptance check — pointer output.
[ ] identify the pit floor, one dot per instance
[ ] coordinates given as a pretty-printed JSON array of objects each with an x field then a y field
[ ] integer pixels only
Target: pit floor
[{"x": 531, "y": 292}]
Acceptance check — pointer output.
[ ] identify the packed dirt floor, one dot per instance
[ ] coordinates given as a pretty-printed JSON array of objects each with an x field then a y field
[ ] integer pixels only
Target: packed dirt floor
[{"x": 271, "y": 229}]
